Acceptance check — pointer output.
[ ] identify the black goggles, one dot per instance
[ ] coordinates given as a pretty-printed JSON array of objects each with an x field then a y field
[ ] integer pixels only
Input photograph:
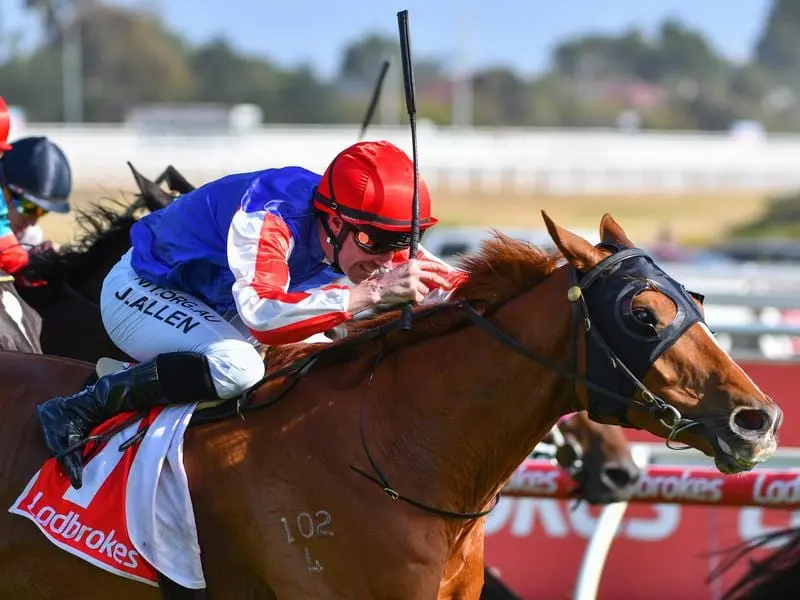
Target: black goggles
[{"x": 379, "y": 241}]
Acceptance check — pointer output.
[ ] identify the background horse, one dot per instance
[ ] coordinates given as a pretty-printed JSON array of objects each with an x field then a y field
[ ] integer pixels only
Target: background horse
[
  {"x": 607, "y": 472},
  {"x": 440, "y": 437},
  {"x": 69, "y": 303}
]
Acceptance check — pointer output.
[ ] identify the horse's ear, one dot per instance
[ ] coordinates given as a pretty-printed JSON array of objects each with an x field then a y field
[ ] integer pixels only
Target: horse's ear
[
  {"x": 154, "y": 197},
  {"x": 575, "y": 249},
  {"x": 176, "y": 181},
  {"x": 610, "y": 231}
]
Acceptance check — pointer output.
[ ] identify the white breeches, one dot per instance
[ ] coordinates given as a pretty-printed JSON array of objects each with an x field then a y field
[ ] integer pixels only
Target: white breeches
[{"x": 144, "y": 319}]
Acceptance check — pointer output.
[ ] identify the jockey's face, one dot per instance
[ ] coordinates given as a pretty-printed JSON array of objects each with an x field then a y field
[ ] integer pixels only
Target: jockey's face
[{"x": 356, "y": 263}]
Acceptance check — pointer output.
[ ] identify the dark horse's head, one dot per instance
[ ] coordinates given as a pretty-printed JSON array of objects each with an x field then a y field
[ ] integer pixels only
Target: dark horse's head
[
  {"x": 80, "y": 267},
  {"x": 69, "y": 302},
  {"x": 74, "y": 274}
]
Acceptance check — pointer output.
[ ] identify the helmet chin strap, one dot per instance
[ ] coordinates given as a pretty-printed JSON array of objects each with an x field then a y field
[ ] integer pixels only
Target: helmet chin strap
[{"x": 336, "y": 241}]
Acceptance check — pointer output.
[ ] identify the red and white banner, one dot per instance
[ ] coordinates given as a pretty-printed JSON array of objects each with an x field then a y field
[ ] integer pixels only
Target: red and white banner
[
  {"x": 658, "y": 524},
  {"x": 91, "y": 522},
  {"x": 661, "y": 551},
  {"x": 774, "y": 488}
]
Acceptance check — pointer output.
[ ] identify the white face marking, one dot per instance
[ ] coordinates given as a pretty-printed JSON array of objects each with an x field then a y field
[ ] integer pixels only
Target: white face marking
[
  {"x": 707, "y": 331},
  {"x": 14, "y": 311}
]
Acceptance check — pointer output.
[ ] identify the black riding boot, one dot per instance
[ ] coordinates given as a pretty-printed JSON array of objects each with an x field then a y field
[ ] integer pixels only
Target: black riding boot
[{"x": 173, "y": 378}]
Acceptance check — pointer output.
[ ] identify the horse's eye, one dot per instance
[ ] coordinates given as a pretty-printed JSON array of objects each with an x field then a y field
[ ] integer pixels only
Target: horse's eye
[
  {"x": 642, "y": 321},
  {"x": 645, "y": 316}
]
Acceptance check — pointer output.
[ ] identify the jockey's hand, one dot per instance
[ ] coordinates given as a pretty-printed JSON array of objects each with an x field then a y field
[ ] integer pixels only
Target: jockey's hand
[{"x": 411, "y": 280}]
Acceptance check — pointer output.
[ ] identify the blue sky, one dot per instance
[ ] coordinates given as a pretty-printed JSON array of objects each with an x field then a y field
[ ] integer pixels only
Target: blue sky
[{"x": 518, "y": 33}]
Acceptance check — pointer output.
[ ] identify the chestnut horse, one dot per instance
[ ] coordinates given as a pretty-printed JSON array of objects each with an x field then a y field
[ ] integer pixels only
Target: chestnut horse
[{"x": 399, "y": 441}]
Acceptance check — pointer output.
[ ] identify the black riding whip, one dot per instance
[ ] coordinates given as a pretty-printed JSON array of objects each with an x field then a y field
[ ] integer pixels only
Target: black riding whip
[
  {"x": 408, "y": 87},
  {"x": 373, "y": 103}
]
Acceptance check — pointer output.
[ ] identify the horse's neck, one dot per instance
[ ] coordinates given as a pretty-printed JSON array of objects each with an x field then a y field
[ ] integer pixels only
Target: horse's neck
[
  {"x": 87, "y": 280},
  {"x": 90, "y": 267},
  {"x": 463, "y": 411},
  {"x": 92, "y": 285}
]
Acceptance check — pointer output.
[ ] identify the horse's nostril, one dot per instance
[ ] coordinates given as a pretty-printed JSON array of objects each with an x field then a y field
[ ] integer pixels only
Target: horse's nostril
[
  {"x": 620, "y": 476},
  {"x": 751, "y": 419}
]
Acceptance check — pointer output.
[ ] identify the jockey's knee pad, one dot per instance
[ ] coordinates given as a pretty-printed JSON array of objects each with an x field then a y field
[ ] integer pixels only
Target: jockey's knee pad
[
  {"x": 236, "y": 366},
  {"x": 185, "y": 377},
  {"x": 251, "y": 370}
]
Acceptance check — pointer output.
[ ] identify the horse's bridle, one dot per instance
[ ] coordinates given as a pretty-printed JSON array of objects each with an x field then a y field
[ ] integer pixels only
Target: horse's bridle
[
  {"x": 612, "y": 283},
  {"x": 560, "y": 450}
]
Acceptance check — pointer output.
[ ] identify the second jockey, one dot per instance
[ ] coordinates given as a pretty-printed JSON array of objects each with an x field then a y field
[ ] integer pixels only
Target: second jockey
[
  {"x": 35, "y": 178},
  {"x": 249, "y": 258}
]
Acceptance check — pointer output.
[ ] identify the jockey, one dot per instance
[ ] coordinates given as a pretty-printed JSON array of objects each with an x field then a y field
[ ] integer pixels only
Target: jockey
[
  {"x": 35, "y": 178},
  {"x": 249, "y": 259}
]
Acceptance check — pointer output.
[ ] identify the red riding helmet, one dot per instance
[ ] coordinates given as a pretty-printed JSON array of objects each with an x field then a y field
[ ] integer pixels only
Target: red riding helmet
[
  {"x": 5, "y": 126},
  {"x": 372, "y": 184}
]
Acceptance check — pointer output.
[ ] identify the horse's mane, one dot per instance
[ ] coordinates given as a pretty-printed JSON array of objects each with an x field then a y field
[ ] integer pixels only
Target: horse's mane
[
  {"x": 101, "y": 226},
  {"x": 775, "y": 576},
  {"x": 503, "y": 268}
]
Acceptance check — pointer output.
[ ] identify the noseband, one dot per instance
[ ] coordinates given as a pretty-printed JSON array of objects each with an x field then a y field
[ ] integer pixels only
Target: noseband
[{"x": 619, "y": 349}]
